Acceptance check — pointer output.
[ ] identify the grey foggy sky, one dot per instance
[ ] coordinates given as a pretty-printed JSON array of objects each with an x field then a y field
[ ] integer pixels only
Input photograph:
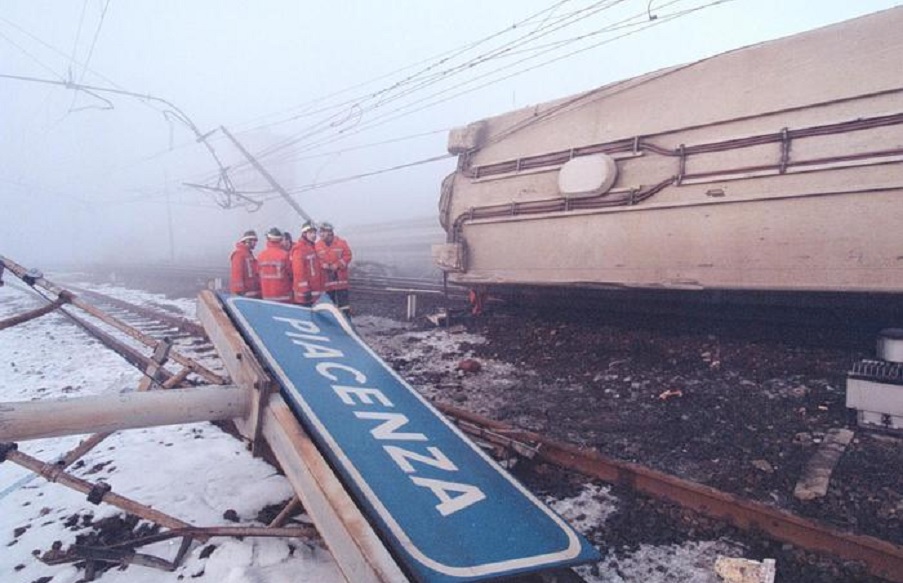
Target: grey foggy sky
[{"x": 80, "y": 181}]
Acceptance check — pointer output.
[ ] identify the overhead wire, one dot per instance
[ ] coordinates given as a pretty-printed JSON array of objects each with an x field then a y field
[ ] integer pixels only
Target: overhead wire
[
  {"x": 360, "y": 100},
  {"x": 409, "y": 108},
  {"x": 406, "y": 110},
  {"x": 556, "y": 23},
  {"x": 78, "y": 36},
  {"x": 435, "y": 59},
  {"x": 430, "y": 76},
  {"x": 32, "y": 57},
  {"x": 103, "y": 15},
  {"x": 400, "y": 111}
]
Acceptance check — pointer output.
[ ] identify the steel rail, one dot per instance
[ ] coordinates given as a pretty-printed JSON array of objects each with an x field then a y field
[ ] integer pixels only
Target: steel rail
[
  {"x": 180, "y": 323},
  {"x": 881, "y": 558}
]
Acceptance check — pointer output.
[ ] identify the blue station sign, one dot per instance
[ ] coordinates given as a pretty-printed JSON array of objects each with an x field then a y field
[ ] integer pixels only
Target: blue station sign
[{"x": 446, "y": 510}]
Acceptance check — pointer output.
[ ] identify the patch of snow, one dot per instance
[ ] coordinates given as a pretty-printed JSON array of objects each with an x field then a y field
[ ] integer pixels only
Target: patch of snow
[
  {"x": 587, "y": 510},
  {"x": 691, "y": 562},
  {"x": 193, "y": 472}
]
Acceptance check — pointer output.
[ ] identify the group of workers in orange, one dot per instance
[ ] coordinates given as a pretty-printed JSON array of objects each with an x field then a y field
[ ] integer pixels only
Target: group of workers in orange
[{"x": 293, "y": 273}]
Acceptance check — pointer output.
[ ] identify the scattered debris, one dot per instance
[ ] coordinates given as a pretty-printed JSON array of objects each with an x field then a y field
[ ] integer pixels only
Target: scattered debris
[
  {"x": 814, "y": 481},
  {"x": 669, "y": 394},
  {"x": 733, "y": 570},
  {"x": 763, "y": 466},
  {"x": 469, "y": 365}
]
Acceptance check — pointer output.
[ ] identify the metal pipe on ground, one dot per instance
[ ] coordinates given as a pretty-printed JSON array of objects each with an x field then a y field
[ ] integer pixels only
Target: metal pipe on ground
[{"x": 103, "y": 413}]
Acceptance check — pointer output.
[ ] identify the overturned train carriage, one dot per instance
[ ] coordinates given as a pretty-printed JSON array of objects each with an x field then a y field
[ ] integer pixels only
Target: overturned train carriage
[{"x": 775, "y": 167}]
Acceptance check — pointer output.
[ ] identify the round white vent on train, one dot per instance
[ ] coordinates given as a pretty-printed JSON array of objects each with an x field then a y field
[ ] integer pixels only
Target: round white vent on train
[
  {"x": 890, "y": 345},
  {"x": 587, "y": 176}
]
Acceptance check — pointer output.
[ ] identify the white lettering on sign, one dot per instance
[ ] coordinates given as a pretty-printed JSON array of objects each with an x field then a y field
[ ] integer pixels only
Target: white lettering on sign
[
  {"x": 401, "y": 457},
  {"x": 453, "y": 496},
  {"x": 363, "y": 394},
  {"x": 448, "y": 505},
  {"x": 391, "y": 422},
  {"x": 308, "y": 340}
]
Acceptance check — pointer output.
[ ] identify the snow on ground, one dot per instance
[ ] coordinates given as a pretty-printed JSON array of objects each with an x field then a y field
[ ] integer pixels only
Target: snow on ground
[
  {"x": 193, "y": 472},
  {"x": 196, "y": 472}
]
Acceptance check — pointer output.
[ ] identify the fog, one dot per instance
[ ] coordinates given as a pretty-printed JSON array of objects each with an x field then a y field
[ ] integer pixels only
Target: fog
[{"x": 346, "y": 104}]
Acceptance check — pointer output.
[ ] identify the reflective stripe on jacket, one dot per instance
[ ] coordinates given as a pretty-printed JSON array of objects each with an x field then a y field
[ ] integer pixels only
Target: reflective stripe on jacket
[
  {"x": 335, "y": 258},
  {"x": 275, "y": 273},
  {"x": 307, "y": 274},
  {"x": 245, "y": 276}
]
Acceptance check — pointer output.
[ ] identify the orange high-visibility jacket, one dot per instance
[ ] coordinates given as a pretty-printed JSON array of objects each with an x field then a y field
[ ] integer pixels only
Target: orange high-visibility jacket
[
  {"x": 307, "y": 274},
  {"x": 245, "y": 279},
  {"x": 275, "y": 273},
  {"x": 335, "y": 259}
]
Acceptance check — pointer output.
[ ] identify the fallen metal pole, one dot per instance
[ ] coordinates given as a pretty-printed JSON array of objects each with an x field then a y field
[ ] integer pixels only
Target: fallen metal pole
[
  {"x": 882, "y": 558},
  {"x": 25, "y": 420},
  {"x": 96, "y": 492}
]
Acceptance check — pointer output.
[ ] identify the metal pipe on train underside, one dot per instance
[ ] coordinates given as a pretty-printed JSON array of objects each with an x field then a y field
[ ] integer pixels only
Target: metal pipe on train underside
[{"x": 23, "y": 420}]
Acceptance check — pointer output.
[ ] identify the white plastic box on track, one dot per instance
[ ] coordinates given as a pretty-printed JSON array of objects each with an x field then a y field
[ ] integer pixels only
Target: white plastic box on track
[{"x": 875, "y": 387}]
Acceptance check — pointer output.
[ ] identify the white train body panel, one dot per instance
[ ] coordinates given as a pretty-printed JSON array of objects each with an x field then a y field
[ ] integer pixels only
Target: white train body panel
[{"x": 774, "y": 167}]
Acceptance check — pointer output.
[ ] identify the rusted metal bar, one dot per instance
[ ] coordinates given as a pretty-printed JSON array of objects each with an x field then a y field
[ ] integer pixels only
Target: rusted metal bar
[
  {"x": 82, "y": 448},
  {"x": 96, "y": 494},
  {"x": 145, "y": 339},
  {"x": 124, "y": 553},
  {"x": 293, "y": 505},
  {"x": 302, "y": 532},
  {"x": 31, "y": 315},
  {"x": 177, "y": 379},
  {"x": 882, "y": 558},
  {"x": 161, "y": 354}
]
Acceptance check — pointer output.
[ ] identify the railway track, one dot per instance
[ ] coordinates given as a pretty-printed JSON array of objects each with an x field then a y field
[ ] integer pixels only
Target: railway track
[
  {"x": 154, "y": 327},
  {"x": 159, "y": 322}
]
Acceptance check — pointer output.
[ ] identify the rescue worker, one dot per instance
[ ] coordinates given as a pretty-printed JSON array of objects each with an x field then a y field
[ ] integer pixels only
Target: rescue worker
[
  {"x": 245, "y": 277},
  {"x": 287, "y": 242},
  {"x": 307, "y": 274},
  {"x": 275, "y": 269},
  {"x": 335, "y": 256}
]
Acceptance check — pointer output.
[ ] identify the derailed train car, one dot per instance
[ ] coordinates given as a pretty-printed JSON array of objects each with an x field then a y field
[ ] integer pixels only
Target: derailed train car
[{"x": 776, "y": 167}]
